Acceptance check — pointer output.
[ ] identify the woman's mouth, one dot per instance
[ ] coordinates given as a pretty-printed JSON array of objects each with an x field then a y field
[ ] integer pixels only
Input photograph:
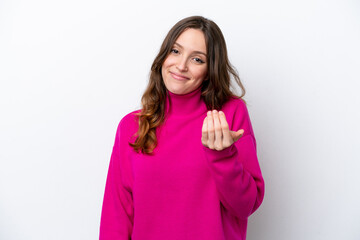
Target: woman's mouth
[{"x": 178, "y": 76}]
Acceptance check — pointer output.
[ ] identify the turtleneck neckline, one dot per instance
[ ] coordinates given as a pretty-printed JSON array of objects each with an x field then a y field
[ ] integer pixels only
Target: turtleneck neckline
[{"x": 185, "y": 104}]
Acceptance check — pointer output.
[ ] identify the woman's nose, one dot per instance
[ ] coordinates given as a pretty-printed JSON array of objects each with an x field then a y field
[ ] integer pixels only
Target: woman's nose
[{"x": 182, "y": 64}]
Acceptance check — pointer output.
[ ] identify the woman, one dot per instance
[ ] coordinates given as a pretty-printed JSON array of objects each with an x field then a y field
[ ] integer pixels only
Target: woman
[{"x": 185, "y": 165}]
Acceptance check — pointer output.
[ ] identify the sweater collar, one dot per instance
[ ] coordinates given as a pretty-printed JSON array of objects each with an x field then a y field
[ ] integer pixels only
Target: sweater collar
[{"x": 185, "y": 104}]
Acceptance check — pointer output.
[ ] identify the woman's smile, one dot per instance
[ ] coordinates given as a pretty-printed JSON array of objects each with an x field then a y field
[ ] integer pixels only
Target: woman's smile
[{"x": 178, "y": 76}]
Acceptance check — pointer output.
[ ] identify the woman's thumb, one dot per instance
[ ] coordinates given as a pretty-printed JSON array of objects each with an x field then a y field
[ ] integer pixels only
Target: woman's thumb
[{"x": 237, "y": 135}]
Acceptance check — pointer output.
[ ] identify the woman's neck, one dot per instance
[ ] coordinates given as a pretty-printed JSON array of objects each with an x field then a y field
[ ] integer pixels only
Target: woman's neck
[{"x": 183, "y": 105}]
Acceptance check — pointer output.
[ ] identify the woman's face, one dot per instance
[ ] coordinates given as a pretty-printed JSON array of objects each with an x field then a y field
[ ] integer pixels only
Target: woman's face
[{"x": 185, "y": 68}]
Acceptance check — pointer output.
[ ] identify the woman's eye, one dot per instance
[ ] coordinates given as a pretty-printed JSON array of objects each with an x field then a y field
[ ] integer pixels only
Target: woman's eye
[
  {"x": 174, "y": 50},
  {"x": 198, "y": 60}
]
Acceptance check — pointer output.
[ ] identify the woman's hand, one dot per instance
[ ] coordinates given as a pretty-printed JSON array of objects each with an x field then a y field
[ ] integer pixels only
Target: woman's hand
[{"x": 216, "y": 133}]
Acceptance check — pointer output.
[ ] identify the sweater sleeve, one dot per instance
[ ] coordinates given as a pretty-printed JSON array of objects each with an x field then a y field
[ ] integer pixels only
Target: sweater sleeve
[
  {"x": 117, "y": 211},
  {"x": 236, "y": 169}
]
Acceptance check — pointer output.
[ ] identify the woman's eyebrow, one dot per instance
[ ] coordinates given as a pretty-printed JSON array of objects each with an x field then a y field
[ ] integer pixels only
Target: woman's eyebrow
[{"x": 198, "y": 52}]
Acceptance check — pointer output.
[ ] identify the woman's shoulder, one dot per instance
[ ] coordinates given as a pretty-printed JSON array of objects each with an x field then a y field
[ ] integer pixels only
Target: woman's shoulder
[
  {"x": 237, "y": 115},
  {"x": 130, "y": 117},
  {"x": 130, "y": 122},
  {"x": 235, "y": 105}
]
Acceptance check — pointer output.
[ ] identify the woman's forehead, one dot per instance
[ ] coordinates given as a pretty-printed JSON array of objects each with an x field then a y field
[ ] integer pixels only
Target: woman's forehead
[{"x": 192, "y": 40}]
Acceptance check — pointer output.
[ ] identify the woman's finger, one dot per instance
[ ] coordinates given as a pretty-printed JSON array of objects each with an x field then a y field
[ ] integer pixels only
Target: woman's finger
[
  {"x": 211, "y": 131},
  {"x": 218, "y": 131},
  {"x": 237, "y": 135},
  {"x": 227, "y": 139},
  {"x": 204, "y": 135}
]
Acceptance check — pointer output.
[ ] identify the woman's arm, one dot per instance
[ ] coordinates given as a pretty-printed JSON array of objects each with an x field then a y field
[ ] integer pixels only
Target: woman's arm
[
  {"x": 117, "y": 211},
  {"x": 235, "y": 168}
]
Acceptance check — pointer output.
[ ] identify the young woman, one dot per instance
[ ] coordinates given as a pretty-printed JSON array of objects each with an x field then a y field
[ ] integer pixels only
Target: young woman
[{"x": 185, "y": 165}]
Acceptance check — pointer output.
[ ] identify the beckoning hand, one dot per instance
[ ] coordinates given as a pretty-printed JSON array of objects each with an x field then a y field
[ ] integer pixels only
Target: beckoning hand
[{"x": 216, "y": 133}]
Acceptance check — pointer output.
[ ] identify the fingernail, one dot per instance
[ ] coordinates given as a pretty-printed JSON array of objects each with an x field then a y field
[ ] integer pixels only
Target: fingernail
[
  {"x": 209, "y": 113},
  {"x": 221, "y": 112},
  {"x": 214, "y": 111}
]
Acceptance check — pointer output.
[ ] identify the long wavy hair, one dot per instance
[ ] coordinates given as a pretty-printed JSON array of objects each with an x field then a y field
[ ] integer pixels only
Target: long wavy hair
[{"x": 214, "y": 92}]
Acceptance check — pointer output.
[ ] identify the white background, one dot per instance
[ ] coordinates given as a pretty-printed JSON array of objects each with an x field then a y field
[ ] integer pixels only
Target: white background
[{"x": 71, "y": 69}]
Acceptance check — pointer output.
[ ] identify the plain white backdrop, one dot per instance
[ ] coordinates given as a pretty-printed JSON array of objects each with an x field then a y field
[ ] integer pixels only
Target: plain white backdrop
[{"x": 71, "y": 69}]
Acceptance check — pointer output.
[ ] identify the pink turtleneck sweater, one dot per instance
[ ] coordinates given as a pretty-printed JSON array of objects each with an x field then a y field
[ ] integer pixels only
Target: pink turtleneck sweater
[{"x": 184, "y": 190}]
